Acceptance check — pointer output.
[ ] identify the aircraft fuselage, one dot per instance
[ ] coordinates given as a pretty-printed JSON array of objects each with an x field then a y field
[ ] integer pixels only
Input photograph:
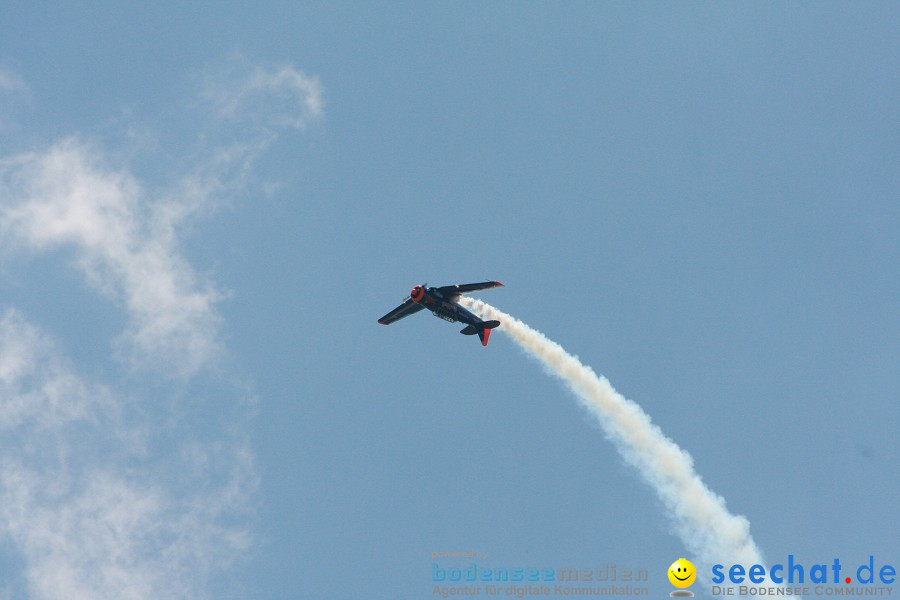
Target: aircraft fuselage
[
  {"x": 443, "y": 302},
  {"x": 448, "y": 310}
]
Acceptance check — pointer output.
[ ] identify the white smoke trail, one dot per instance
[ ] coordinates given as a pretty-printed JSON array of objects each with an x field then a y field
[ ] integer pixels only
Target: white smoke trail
[{"x": 708, "y": 530}]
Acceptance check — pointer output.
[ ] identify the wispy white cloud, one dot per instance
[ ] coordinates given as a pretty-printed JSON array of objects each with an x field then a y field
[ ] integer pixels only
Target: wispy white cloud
[
  {"x": 278, "y": 97},
  {"x": 111, "y": 537},
  {"x": 123, "y": 241},
  {"x": 82, "y": 501},
  {"x": 105, "y": 493},
  {"x": 125, "y": 237},
  {"x": 13, "y": 89},
  {"x": 36, "y": 387},
  {"x": 12, "y": 83}
]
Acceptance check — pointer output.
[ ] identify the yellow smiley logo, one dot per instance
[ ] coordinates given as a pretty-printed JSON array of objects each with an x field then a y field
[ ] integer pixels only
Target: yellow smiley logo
[{"x": 682, "y": 573}]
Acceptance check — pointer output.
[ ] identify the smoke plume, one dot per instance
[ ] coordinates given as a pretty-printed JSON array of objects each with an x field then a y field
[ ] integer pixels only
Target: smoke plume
[{"x": 710, "y": 533}]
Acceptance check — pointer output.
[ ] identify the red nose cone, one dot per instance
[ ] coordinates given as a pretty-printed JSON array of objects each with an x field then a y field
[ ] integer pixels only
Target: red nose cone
[{"x": 417, "y": 293}]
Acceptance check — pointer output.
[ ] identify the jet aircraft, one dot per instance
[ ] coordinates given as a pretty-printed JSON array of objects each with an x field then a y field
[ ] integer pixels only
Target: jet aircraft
[{"x": 443, "y": 302}]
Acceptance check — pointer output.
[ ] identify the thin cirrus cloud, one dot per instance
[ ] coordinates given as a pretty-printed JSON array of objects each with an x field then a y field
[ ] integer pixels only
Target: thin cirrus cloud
[
  {"x": 13, "y": 90},
  {"x": 12, "y": 83},
  {"x": 37, "y": 389},
  {"x": 77, "y": 493},
  {"x": 124, "y": 238},
  {"x": 108, "y": 490},
  {"x": 281, "y": 97},
  {"x": 66, "y": 197}
]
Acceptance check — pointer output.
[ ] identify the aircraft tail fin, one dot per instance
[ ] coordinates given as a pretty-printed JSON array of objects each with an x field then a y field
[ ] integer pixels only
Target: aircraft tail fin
[{"x": 483, "y": 330}]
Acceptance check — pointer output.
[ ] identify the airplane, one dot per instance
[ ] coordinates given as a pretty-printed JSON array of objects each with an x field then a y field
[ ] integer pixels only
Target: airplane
[{"x": 443, "y": 302}]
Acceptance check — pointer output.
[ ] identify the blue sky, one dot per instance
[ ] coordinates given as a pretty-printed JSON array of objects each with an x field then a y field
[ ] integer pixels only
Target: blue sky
[{"x": 205, "y": 208}]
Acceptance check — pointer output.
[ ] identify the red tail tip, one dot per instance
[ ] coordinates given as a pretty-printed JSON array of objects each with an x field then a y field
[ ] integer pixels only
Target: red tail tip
[{"x": 485, "y": 337}]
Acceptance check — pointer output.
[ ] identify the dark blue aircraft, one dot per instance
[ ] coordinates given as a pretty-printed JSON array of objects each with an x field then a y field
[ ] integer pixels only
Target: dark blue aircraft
[{"x": 443, "y": 302}]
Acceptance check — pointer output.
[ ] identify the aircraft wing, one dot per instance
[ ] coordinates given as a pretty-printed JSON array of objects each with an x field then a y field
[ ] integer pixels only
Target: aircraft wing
[
  {"x": 404, "y": 310},
  {"x": 465, "y": 288}
]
